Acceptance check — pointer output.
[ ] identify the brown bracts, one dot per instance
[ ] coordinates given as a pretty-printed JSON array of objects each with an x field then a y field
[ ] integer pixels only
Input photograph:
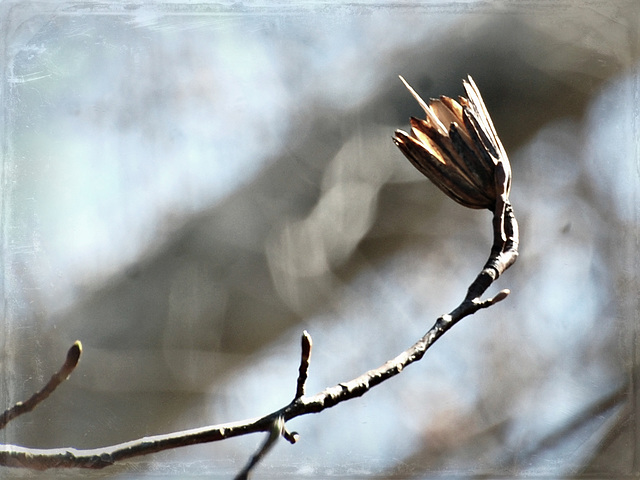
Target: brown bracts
[{"x": 458, "y": 149}]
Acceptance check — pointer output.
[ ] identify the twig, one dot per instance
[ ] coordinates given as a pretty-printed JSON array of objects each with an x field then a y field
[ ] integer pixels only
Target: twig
[
  {"x": 41, "y": 459},
  {"x": 305, "y": 358},
  {"x": 15, "y": 456},
  {"x": 70, "y": 363},
  {"x": 277, "y": 429},
  {"x": 468, "y": 163}
]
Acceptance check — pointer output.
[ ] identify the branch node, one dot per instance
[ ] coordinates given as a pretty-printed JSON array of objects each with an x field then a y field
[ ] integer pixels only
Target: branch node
[
  {"x": 291, "y": 437},
  {"x": 277, "y": 429},
  {"x": 443, "y": 321}
]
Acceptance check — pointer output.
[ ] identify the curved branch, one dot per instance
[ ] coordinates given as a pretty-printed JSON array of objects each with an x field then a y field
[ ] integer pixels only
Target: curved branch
[
  {"x": 41, "y": 459},
  {"x": 499, "y": 261}
]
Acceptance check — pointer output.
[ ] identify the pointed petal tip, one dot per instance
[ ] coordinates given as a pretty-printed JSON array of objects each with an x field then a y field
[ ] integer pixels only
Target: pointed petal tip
[
  {"x": 415, "y": 95},
  {"x": 400, "y": 137}
]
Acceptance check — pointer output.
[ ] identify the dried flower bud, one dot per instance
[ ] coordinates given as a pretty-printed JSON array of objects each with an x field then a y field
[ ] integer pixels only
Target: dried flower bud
[{"x": 458, "y": 149}]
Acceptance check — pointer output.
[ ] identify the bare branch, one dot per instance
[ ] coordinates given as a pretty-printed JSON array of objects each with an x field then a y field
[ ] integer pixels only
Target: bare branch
[
  {"x": 70, "y": 363},
  {"x": 98, "y": 458},
  {"x": 465, "y": 177},
  {"x": 503, "y": 254}
]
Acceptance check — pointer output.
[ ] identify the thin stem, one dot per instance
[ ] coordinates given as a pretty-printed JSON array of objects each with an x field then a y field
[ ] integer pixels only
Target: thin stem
[
  {"x": 499, "y": 261},
  {"x": 504, "y": 251},
  {"x": 103, "y": 457}
]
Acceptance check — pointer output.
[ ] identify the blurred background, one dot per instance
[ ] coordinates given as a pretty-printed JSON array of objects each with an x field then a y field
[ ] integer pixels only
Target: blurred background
[{"x": 187, "y": 187}]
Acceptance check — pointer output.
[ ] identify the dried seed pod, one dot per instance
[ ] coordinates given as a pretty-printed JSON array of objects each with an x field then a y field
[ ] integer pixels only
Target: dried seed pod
[{"x": 458, "y": 149}]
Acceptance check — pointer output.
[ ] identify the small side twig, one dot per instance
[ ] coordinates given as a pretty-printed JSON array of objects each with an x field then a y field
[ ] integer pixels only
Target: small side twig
[
  {"x": 277, "y": 429},
  {"x": 70, "y": 363},
  {"x": 305, "y": 358}
]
